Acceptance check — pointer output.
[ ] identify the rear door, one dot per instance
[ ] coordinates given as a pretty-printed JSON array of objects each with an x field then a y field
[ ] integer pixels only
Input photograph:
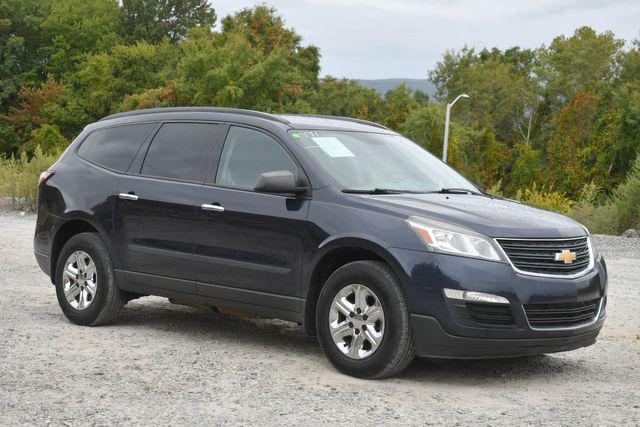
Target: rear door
[
  {"x": 155, "y": 211},
  {"x": 250, "y": 245}
]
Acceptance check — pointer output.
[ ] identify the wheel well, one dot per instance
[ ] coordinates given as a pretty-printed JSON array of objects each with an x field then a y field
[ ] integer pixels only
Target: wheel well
[
  {"x": 67, "y": 231},
  {"x": 329, "y": 263}
]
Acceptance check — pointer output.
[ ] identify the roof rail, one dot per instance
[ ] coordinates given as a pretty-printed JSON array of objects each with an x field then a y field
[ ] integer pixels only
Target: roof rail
[
  {"x": 346, "y": 119},
  {"x": 240, "y": 111}
]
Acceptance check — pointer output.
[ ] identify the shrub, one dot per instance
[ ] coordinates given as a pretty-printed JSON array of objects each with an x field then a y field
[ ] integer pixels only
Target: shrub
[
  {"x": 48, "y": 138},
  {"x": 496, "y": 189},
  {"x": 19, "y": 177},
  {"x": 545, "y": 199},
  {"x": 600, "y": 219},
  {"x": 618, "y": 213},
  {"x": 626, "y": 198}
]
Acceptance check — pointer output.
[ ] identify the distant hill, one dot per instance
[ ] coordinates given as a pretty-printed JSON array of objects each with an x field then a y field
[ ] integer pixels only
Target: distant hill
[{"x": 384, "y": 85}]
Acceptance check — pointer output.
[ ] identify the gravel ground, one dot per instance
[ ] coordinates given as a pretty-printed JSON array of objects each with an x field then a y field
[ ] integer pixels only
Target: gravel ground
[{"x": 168, "y": 364}]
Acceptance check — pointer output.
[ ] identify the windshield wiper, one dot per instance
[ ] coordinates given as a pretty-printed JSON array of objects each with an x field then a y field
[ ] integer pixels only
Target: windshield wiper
[
  {"x": 374, "y": 191},
  {"x": 457, "y": 191},
  {"x": 396, "y": 191}
]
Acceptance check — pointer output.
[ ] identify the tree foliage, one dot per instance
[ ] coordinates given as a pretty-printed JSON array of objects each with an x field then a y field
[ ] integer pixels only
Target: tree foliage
[
  {"x": 539, "y": 122},
  {"x": 154, "y": 20},
  {"x": 79, "y": 27},
  {"x": 22, "y": 60}
]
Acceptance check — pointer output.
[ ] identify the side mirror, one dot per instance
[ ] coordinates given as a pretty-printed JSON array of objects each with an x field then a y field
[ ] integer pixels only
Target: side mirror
[{"x": 282, "y": 182}]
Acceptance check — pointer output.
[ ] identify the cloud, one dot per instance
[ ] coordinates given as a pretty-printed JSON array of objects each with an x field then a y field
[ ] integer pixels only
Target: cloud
[{"x": 405, "y": 38}]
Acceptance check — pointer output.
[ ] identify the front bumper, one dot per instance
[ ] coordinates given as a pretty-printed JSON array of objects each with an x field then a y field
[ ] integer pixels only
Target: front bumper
[
  {"x": 443, "y": 328},
  {"x": 433, "y": 341}
]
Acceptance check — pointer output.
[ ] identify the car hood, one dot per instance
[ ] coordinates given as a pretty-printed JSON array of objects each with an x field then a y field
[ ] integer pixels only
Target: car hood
[{"x": 492, "y": 217}]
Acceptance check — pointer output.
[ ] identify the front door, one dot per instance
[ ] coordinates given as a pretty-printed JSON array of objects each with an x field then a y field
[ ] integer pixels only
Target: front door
[
  {"x": 155, "y": 211},
  {"x": 250, "y": 245}
]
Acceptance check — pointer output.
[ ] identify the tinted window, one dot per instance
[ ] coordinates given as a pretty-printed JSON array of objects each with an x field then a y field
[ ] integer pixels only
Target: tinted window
[
  {"x": 178, "y": 151},
  {"x": 115, "y": 148},
  {"x": 247, "y": 154}
]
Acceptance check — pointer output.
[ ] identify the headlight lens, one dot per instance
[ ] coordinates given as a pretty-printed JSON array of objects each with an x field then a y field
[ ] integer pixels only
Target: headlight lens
[{"x": 440, "y": 238}]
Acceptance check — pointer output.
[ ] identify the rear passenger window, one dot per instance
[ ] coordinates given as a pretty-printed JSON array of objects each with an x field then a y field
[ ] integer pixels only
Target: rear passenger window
[
  {"x": 114, "y": 148},
  {"x": 178, "y": 151},
  {"x": 247, "y": 154}
]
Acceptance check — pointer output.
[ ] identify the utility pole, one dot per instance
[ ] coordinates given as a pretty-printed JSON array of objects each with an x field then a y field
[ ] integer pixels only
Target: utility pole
[{"x": 445, "y": 144}]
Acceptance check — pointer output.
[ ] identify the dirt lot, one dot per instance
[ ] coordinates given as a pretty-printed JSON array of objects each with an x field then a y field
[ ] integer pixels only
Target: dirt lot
[{"x": 167, "y": 364}]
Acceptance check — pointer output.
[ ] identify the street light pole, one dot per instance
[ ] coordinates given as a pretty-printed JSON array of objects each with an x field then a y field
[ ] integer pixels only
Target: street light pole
[{"x": 445, "y": 144}]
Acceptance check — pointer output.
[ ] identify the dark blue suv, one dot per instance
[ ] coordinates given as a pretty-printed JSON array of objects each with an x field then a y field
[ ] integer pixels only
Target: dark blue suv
[{"x": 338, "y": 224}]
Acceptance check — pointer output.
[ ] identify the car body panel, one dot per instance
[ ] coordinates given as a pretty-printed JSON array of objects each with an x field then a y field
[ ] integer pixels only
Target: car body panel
[{"x": 256, "y": 243}]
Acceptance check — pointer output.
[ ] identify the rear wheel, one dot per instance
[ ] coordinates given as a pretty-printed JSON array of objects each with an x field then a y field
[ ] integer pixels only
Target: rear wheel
[
  {"x": 362, "y": 321},
  {"x": 85, "y": 283}
]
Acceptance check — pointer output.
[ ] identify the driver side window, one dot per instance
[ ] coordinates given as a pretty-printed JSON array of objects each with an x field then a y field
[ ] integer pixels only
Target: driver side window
[{"x": 247, "y": 154}]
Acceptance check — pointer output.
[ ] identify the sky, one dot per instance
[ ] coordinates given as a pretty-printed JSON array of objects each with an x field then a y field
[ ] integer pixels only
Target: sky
[{"x": 372, "y": 39}]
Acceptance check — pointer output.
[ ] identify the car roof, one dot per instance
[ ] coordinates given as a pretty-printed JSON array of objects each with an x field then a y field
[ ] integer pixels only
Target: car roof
[
  {"x": 294, "y": 121},
  {"x": 314, "y": 121}
]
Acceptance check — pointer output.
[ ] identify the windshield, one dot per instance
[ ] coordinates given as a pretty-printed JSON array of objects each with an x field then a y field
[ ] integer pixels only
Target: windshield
[{"x": 372, "y": 161}]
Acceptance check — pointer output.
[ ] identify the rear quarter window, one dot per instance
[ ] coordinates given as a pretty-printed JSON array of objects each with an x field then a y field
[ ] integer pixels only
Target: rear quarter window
[{"x": 114, "y": 148}]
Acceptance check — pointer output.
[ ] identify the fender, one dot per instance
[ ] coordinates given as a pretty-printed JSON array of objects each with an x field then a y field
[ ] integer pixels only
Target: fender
[
  {"x": 103, "y": 231},
  {"x": 362, "y": 241},
  {"x": 310, "y": 290}
]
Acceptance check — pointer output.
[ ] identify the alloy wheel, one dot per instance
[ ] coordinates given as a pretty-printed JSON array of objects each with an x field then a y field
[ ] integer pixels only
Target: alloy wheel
[
  {"x": 80, "y": 280},
  {"x": 356, "y": 321}
]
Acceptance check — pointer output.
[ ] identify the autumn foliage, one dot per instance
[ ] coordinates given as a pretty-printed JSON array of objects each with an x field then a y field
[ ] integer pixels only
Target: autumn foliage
[{"x": 557, "y": 126}]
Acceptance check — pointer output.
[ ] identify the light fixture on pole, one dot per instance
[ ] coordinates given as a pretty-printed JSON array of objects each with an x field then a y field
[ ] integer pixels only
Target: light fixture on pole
[{"x": 445, "y": 144}]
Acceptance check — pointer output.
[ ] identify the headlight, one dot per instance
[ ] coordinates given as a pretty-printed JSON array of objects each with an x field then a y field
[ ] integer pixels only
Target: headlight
[{"x": 450, "y": 239}]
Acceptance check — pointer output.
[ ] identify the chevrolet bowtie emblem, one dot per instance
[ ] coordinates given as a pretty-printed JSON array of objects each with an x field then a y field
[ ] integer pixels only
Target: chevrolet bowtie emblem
[{"x": 566, "y": 256}]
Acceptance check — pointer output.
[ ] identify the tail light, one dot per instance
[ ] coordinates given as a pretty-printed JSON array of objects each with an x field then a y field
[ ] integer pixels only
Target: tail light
[{"x": 44, "y": 176}]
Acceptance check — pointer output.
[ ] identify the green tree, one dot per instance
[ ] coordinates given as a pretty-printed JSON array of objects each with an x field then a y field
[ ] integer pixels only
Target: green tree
[
  {"x": 342, "y": 97},
  {"x": 621, "y": 141},
  {"x": 568, "y": 147},
  {"x": 235, "y": 69},
  {"x": 103, "y": 80},
  {"x": 48, "y": 138},
  {"x": 77, "y": 28},
  {"x": 527, "y": 168},
  {"x": 425, "y": 126},
  {"x": 165, "y": 96},
  {"x": 503, "y": 93},
  {"x": 487, "y": 159},
  {"x": 153, "y": 20},
  {"x": 397, "y": 104},
  {"x": 22, "y": 57},
  {"x": 585, "y": 62},
  {"x": 49, "y": 104},
  {"x": 266, "y": 31}
]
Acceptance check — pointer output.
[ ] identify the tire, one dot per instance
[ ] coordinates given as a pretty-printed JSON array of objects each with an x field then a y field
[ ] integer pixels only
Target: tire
[
  {"x": 107, "y": 302},
  {"x": 395, "y": 349}
]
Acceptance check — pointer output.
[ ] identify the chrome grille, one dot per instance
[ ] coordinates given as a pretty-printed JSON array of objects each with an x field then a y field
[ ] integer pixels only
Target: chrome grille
[{"x": 539, "y": 256}]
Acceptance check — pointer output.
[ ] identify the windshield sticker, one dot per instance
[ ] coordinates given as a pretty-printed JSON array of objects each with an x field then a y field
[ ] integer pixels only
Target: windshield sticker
[
  {"x": 308, "y": 133},
  {"x": 332, "y": 146}
]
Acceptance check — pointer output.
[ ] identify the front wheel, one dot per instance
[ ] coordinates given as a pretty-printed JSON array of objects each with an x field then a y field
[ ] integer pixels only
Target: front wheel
[{"x": 362, "y": 321}]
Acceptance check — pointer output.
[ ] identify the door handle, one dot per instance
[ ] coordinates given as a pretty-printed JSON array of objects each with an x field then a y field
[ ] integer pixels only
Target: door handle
[
  {"x": 127, "y": 196},
  {"x": 215, "y": 208}
]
